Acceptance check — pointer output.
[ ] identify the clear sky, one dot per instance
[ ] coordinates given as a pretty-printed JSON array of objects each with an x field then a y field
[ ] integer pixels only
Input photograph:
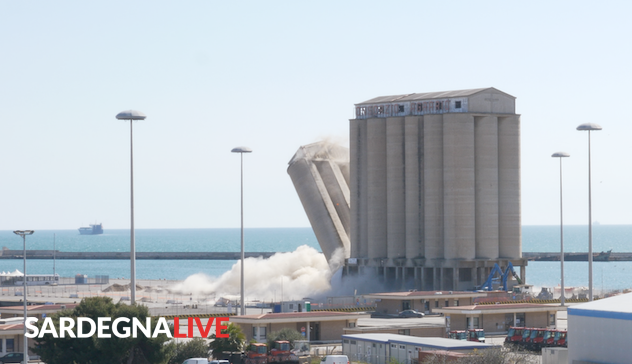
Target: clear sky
[{"x": 274, "y": 75}]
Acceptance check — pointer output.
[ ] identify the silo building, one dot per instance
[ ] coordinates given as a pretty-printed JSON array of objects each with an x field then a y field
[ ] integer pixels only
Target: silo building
[
  {"x": 320, "y": 174},
  {"x": 435, "y": 188}
]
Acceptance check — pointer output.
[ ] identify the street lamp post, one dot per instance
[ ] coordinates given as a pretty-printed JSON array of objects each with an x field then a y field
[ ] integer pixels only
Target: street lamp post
[
  {"x": 132, "y": 115},
  {"x": 589, "y": 127},
  {"x": 241, "y": 151},
  {"x": 561, "y": 155},
  {"x": 23, "y": 234}
]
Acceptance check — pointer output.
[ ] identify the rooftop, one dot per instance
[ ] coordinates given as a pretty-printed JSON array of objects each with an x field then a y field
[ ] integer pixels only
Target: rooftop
[
  {"x": 617, "y": 307},
  {"x": 297, "y": 316},
  {"x": 430, "y": 342},
  {"x": 501, "y": 308},
  {"x": 426, "y": 294},
  {"x": 429, "y": 96}
]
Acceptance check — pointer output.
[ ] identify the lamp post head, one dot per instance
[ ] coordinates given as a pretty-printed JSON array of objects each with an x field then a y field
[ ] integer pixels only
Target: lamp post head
[
  {"x": 560, "y": 155},
  {"x": 589, "y": 127},
  {"x": 23, "y": 232},
  {"x": 131, "y": 115},
  {"x": 241, "y": 150}
]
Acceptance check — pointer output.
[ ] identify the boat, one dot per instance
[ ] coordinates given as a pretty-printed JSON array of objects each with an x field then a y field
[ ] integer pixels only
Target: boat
[
  {"x": 583, "y": 257},
  {"x": 95, "y": 229},
  {"x": 569, "y": 257}
]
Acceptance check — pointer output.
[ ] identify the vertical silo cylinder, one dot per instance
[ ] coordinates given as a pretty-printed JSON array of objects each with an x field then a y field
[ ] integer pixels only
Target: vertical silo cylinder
[
  {"x": 357, "y": 175},
  {"x": 317, "y": 204},
  {"x": 337, "y": 190},
  {"x": 510, "y": 244},
  {"x": 433, "y": 186},
  {"x": 458, "y": 186},
  {"x": 376, "y": 185},
  {"x": 486, "y": 132},
  {"x": 354, "y": 191},
  {"x": 413, "y": 145},
  {"x": 364, "y": 192},
  {"x": 395, "y": 194}
]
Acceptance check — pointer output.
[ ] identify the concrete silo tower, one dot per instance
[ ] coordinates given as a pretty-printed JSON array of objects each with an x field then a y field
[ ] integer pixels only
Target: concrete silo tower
[
  {"x": 435, "y": 188},
  {"x": 320, "y": 174}
]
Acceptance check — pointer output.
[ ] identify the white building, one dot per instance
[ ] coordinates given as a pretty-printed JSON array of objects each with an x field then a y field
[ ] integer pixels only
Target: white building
[
  {"x": 601, "y": 331},
  {"x": 383, "y": 348}
]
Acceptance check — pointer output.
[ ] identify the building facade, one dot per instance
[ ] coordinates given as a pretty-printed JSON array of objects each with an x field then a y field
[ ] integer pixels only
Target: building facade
[{"x": 435, "y": 188}]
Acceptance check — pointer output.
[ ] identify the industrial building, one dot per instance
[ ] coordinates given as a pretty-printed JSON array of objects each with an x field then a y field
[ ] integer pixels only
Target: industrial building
[
  {"x": 386, "y": 348},
  {"x": 601, "y": 331},
  {"x": 320, "y": 174},
  {"x": 435, "y": 188}
]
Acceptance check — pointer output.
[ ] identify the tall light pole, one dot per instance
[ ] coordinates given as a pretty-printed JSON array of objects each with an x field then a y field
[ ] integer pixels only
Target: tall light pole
[
  {"x": 23, "y": 234},
  {"x": 561, "y": 155},
  {"x": 132, "y": 115},
  {"x": 241, "y": 151},
  {"x": 589, "y": 127}
]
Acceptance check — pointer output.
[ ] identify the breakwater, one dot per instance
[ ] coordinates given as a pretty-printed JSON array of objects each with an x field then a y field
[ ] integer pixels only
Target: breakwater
[
  {"x": 48, "y": 254},
  {"x": 608, "y": 256}
]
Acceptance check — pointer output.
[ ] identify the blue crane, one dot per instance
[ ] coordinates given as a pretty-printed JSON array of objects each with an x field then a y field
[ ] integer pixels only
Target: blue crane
[{"x": 488, "y": 283}]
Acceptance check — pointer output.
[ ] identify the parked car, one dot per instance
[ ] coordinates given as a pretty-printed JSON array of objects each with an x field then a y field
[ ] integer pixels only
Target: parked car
[
  {"x": 12, "y": 358},
  {"x": 335, "y": 359},
  {"x": 199, "y": 361},
  {"x": 410, "y": 313}
]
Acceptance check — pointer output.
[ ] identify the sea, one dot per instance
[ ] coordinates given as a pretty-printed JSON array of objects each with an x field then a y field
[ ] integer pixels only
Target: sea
[{"x": 606, "y": 275}]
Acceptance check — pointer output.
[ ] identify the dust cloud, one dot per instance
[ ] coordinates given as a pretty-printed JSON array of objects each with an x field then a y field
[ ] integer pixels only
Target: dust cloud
[{"x": 284, "y": 276}]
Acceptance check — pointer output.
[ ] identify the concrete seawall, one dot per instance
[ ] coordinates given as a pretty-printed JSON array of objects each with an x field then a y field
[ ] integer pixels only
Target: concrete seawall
[
  {"x": 48, "y": 254},
  {"x": 578, "y": 257}
]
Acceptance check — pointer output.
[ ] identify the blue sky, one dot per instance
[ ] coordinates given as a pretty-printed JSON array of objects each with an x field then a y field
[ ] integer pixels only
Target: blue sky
[{"x": 276, "y": 75}]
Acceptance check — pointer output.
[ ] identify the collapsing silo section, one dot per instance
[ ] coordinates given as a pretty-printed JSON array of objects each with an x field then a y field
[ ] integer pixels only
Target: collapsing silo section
[{"x": 320, "y": 174}]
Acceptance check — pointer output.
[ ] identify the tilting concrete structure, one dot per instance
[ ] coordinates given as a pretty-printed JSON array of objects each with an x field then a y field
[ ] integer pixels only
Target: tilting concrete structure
[
  {"x": 435, "y": 188},
  {"x": 320, "y": 173}
]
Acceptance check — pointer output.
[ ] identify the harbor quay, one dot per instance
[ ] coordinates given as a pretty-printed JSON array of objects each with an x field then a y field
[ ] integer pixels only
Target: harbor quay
[
  {"x": 56, "y": 254},
  {"x": 50, "y": 254}
]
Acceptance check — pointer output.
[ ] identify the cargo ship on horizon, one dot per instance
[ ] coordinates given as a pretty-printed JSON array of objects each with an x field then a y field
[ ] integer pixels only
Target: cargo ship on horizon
[{"x": 95, "y": 229}]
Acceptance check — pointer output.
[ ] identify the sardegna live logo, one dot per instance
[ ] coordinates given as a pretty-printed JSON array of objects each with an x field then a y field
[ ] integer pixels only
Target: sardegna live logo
[{"x": 122, "y": 327}]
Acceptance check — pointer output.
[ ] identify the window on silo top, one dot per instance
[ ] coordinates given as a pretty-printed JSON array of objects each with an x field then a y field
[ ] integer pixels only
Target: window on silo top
[
  {"x": 400, "y": 108},
  {"x": 457, "y": 105}
]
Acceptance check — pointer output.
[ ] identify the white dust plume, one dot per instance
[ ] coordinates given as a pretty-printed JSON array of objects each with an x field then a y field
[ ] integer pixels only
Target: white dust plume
[{"x": 294, "y": 275}]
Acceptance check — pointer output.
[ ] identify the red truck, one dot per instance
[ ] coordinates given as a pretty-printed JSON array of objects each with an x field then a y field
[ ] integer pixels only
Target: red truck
[{"x": 514, "y": 336}]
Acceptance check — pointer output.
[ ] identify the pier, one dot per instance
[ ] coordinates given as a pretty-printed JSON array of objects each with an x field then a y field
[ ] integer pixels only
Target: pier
[
  {"x": 608, "y": 256},
  {"x": 48, "y": 254}
]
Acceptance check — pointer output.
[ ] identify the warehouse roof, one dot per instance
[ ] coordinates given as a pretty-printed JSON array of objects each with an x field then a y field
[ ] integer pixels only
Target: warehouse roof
[
  {"x": 428, "y": 342},
  {"x": 429, "y": 96},
  {"x": 425, "y": 295},
  {"x": 297, "y": 317},
  {"x": 500, "y": 308},
  {"x": 617, "y": 307}
]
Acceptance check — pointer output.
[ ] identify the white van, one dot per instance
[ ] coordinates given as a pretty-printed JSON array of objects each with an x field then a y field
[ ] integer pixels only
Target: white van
[
  {"x": 196, "y": 361},
  {"x": 335, "y": 359}
]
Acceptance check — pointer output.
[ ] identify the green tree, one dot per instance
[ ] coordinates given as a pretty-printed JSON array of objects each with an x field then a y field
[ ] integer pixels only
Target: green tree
[
  {"x": 196, "y": 348},
  {"x": 234, "y": 342},
  {"x": 284, "y": 334},
  {"x": 93, "y": 350}
]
